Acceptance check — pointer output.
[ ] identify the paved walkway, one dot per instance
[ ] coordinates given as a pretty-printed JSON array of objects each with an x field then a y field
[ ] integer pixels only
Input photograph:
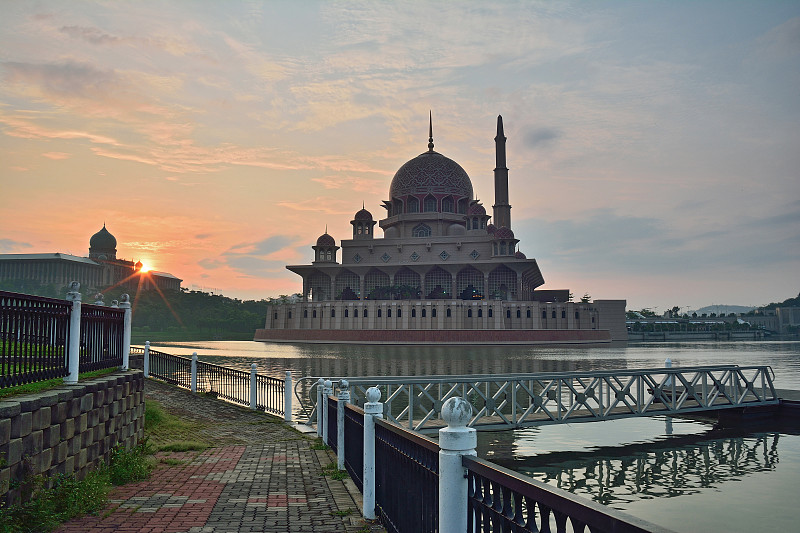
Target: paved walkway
[{"x": 259, "y": 476}]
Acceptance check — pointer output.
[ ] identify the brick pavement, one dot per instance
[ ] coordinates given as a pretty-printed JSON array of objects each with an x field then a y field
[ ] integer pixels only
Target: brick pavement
[{"x": 259, "y": 476}]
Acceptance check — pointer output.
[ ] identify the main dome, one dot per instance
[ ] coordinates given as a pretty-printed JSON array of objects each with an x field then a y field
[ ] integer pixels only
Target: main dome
[{"x": 433, "y": 173}]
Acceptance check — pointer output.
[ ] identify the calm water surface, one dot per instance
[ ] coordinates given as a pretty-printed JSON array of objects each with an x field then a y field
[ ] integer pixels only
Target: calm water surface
[{"x": 681, "y": 474}]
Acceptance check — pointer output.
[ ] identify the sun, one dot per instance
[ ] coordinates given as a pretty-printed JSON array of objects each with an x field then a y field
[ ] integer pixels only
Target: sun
[{"x": 145, "y": 267}]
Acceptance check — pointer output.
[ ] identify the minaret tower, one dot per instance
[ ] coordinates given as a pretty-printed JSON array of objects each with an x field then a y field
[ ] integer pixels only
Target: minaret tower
[{"x": 502, "y": 209}]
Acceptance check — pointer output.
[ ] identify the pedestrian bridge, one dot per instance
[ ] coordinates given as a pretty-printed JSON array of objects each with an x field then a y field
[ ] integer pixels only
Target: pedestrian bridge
[{"x": 513, "y": 401}]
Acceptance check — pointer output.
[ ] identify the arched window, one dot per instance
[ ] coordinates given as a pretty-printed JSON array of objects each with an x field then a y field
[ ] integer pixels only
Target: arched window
[
  {"x": 508, "y": 313},
  {"x": 290, "y": 314},
  {"x": 447, "y": 204},
  {"x": 480, "y": 313},
  {"x": 379, "y": 313},
  {"x": 276, "y": 316},
  {"x": 469, "y": 284},
  {"x": 423, "y": 313},
  {"x": 554, "y": 313},
  {"x": 438, "y": 283},
  {"x": 433, "y": 313},
  {"x": 397, "y": 206},
  {"x": 469, "y": 313},
  {"x": 348, "y": 286},
  {"x": 413, "y": 313},
  {"x": 462, "y": 206},
  {"x": 333, "y": 312},
  {"x": 490, "y": 312},
  {"x": 429, "y": 204},
  {"x": 563, "y": 313},
  {"x": 346, "y": 313},
  {"x": 494, "y": 248},
  {"x": 399, "y": 313},
  {"x": 413, "y": 204},
  {"x": 314, "y": 313},
  {"x": 449, "y": 314},
  {"x": 388, "y": 313},
  {"x": 421, "y": 230},
  {"x": 519, "y": 315},
  {"x": 365, "y": 312},
  {"x": 502, "y": 247},
  {"x": 577, "y": 315},
  {"x": 528, "y": 313},
  {"x": 355, "y": 313}
]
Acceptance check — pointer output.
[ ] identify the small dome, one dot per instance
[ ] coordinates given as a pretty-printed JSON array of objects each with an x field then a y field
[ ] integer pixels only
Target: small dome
[
  {"x": 503, "y": 233},
  {"x": 138, "y": 265},
  {"x": 520, "y": 255},
  {"x": 431, "y": 173},
  {"x": 476, "y": 209},
  {"x": 363, "y": 215},
  {"x": 491, "y": 228},
  {"x": 103, "y": 241},
  {"x": 325, "y": 240}
]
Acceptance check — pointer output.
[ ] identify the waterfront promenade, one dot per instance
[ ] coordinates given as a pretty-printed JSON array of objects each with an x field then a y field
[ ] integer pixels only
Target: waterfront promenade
[{"x": 259, "y": 475}]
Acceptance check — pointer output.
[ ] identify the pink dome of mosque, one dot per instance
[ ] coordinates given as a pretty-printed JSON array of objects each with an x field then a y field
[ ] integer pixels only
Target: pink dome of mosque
[{"x": 326, "y": 240}]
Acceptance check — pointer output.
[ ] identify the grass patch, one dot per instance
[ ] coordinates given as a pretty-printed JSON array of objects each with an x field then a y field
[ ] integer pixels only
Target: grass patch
[
  {"x": 30, "y": 388},
  {"x": 319, "y": 445},
  {"x": 332, "y": 471},
  {"x": 183, "y": 446},
  {"x": 167, "y": 432},
  {"x": 347, "y": 512}
]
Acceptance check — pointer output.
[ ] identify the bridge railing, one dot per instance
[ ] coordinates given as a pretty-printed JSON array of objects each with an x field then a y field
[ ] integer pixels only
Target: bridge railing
[{"x": 521, "y": 400}]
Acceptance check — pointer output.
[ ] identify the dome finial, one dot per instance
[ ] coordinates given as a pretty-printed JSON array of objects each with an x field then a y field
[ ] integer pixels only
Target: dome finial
[{"x": 430, "y": 131}]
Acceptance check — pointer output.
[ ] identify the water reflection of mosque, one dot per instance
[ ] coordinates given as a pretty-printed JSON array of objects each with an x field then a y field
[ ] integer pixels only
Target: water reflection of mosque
[{"x": 676, "y": 466}]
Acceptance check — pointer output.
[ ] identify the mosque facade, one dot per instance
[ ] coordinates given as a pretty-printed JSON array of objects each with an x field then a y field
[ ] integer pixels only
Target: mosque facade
[
  {"x": 100, "y": 270},
  {"x": 445, "y": 271}
]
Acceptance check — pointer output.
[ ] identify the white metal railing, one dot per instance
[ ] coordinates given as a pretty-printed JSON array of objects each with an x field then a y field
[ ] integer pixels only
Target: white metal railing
[{"x": 523, "y": 400}]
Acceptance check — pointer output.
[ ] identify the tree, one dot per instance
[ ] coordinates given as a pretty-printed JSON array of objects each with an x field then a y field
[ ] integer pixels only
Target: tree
[{"x": 585, "y": 299}]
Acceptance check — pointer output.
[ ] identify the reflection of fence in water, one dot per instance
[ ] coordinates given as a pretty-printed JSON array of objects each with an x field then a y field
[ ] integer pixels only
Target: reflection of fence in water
[{"x": 664, "y": 471}]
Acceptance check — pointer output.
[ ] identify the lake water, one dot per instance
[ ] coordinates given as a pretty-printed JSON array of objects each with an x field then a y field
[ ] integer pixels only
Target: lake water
[{"x": 681, "y": 474}]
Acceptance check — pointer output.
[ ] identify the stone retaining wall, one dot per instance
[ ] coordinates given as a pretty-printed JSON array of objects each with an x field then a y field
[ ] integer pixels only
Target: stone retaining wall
[{"x": 68, "y": 430}]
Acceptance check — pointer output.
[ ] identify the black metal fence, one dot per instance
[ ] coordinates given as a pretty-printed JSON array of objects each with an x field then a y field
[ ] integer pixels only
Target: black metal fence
[
  {"x": 331, "y": 419},
  {"x": 102, "y": 337},
  {"x": 354, "y": 444},
  {"x": 226, "y": 383},
  {"x": 406, "y": 479},
  {"x": 170, "y": 368},
  {"x": 502, "y": 500},
  {"x": 271, "y": 394},
  {"x": 34, "y": 333}
]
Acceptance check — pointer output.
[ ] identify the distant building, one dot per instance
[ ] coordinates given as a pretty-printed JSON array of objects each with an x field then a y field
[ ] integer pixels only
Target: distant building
[
  {"x": 441, "y": 273},
  {"x": 101, "y": 270}
]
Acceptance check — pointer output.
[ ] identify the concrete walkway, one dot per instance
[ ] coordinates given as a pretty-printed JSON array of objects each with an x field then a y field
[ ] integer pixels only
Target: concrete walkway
[{"x": 260, "y": 476}]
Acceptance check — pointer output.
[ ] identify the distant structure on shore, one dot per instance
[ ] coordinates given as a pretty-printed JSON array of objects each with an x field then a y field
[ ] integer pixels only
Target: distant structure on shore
[
  {"x": 445, "y": 271},
  {"x": 99, "y": 271}
]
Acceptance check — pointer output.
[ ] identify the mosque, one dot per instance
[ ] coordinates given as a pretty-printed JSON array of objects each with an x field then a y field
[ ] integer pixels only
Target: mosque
[
  {"x": 445, "y": 271},
  {"x": 99, "y": 271}
]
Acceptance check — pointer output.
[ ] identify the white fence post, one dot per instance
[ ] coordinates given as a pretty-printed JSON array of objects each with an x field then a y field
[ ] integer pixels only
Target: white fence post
[
  {"x": 194, "y": 372},
  {"x": 320, "y": 397},
  {"x": 253, "y": 387},
  {"x": 344, "y": 398},
  {"x": 74, "y": 348},
  {"x": 373, "y": 409},
  {"x": 455, "y": 441},
  {"x": 287, "y": 398},
  {"x": 126, "y": 331},
  {"x": 146, "y": 361},
  {"x": 327, "y": 390},
  {"x": 668, "y": 364}
]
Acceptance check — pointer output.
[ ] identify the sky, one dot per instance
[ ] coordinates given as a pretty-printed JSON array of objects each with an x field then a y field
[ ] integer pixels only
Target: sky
[{"x": 653, "y": 147}]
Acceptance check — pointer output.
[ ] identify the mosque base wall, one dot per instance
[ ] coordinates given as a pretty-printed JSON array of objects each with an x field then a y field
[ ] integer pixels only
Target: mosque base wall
[{"x": 454, "y": 337}]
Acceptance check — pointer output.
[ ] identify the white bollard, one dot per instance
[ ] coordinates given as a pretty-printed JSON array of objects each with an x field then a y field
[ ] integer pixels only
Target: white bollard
[
  {"x": 344, "y": 398},
  {"x": 74, "y": 348},
  {"x": 126, "y": 331},
  {"x": 287, "y": 398},
  {"x": 146, "y": 361},
  {"x": 253, "y": 387},
  {"x": 668, "y": 364},
  {"x": 320, "y": 397},
  {"x": 373, "y": 409},
  {"x": 455, "y": 441},
  {"x": 194, "y": 372},
  {"x": 327, "y": 390}
]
